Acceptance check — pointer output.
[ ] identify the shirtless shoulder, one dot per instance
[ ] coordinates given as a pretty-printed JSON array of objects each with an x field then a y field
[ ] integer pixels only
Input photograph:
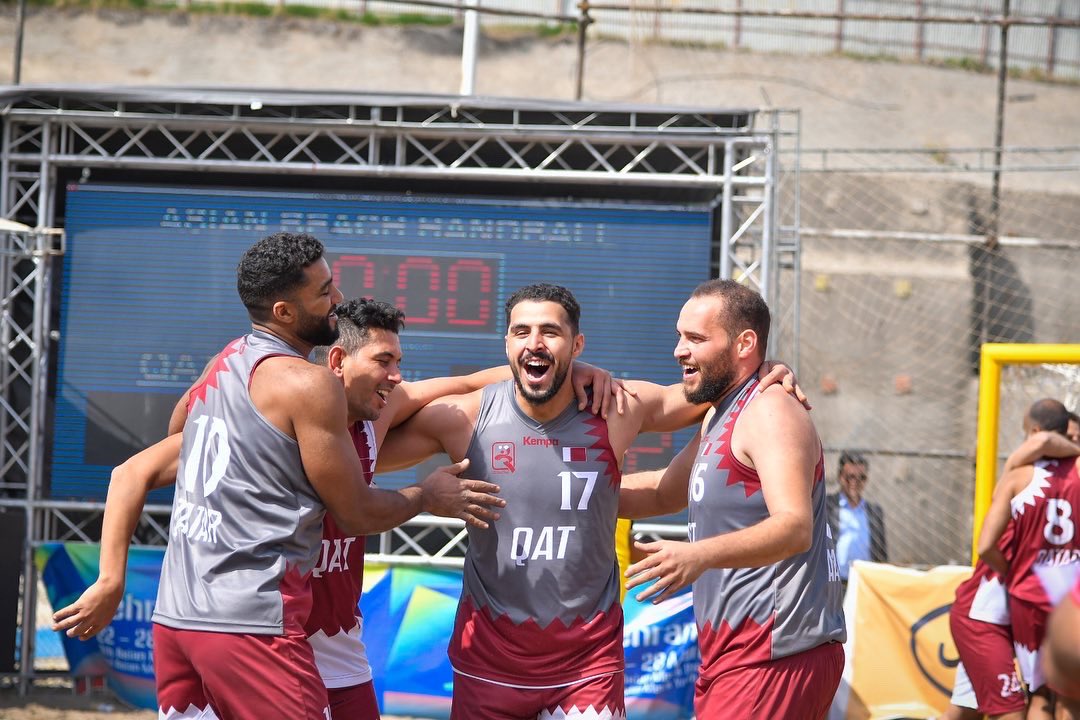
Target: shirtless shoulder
[{"x": 283, "y": 387}]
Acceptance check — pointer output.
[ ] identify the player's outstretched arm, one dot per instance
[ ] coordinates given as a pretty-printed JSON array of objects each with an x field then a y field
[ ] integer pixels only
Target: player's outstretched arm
[
  {"x": 658, "y": 492},
  {"x": 444, "y": 425},
  {"x": 130, "y": 483},
  {"x": 662, "y": 408},
  {"x": 997, "y": 519},
  {"x": 448, "y": 495},
  {"x": 313, "y": 401},
  {"x": 1039, "y": 445},
  {"x": 409, "y": 397},
  {"x": 777, "y": 437}
]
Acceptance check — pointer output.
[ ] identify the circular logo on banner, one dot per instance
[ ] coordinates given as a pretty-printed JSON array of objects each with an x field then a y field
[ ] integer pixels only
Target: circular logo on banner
[{"x": 933, "y": 649}]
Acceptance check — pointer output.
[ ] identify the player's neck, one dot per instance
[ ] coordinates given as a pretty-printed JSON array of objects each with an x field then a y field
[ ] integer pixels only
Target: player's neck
[
  {"x": 743, "y": 376},
  {"x": 284, "y": 335},
  {"x": 549, "y": 410}
]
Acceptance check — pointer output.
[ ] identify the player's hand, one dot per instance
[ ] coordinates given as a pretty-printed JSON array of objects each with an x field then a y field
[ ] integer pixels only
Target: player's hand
[
  {"x": 89, "y": 615},
  {"x": 774, "y": 372},
  {"x": 447, "y": 495},
  {"x": 673, "y": 564},
  {"x": 605, "y": 389}
]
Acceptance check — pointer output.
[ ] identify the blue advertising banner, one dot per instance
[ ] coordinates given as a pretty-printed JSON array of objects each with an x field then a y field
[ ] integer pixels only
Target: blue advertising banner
[
  {"x": 408, "y": 618},
  {"x": 122, "y": 652}
]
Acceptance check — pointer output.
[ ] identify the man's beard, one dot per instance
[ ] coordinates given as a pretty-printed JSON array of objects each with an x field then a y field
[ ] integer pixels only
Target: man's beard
[
  {"x": 713, "y": 387},
  {"x": 534, "y": 397},
  {"x": 316, "y": 330}
]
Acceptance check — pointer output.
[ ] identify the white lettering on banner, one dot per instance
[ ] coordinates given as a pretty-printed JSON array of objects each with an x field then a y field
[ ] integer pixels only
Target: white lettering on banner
[
  {"x": 134, "y": 609},
  {"x": 522, "y": 547},
  {"x": 334, "y": 556},
  {"x": 195, "y": 522}
]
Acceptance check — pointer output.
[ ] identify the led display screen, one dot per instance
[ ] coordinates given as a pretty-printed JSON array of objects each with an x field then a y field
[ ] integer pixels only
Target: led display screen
[{"x": 149, "y": 294}]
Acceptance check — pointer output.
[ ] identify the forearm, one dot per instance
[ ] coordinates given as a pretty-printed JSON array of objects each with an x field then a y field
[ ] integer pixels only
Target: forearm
[
  {"x": 483, "y": 378},
  {"x": 775, "y": 538},
  {"x": 382, "y": 510},
  {"x": 123, "y": 506},
  {"x": 672, "y": 411},
  {"x": 996, "y": 560},
  {"x": 640, "y": 496}
]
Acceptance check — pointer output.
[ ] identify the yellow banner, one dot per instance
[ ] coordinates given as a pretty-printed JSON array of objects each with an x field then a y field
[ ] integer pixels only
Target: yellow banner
[{"x": 900, "y": 654}]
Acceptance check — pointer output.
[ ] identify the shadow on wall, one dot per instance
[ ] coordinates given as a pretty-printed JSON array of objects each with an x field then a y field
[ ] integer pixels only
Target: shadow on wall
[{"x": 1001, "y": 305}]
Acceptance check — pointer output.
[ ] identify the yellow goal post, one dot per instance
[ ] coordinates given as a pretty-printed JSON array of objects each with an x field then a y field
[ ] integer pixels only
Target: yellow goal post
[{"x": 993, "y": 357}]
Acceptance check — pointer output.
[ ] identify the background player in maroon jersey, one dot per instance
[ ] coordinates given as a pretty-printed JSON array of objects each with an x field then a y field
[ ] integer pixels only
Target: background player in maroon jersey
[
  {"x": 764, "y": 573},
  {"x": 986, "y": 681},
  {"x": 1037, "y": 502}
]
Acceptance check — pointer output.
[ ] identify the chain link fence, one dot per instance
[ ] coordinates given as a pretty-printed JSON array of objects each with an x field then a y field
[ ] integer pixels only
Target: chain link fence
[
  {"x": 841, "y": 27},
  {"x": 898, "y": 287}
]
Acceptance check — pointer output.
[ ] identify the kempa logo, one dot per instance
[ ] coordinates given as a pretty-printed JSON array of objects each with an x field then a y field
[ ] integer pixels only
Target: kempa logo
[{"x": 539, "y": 441}]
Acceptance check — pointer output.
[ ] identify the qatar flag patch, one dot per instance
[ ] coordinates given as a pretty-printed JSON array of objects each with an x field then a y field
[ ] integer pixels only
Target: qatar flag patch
[{"x": 574, "y": 454}]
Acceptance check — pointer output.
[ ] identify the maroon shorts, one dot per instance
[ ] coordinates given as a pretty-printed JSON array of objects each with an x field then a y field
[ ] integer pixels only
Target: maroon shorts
[
  {"x": 356, "y": 702},
  {"x": 797, "y": 687},
  {"x": 476, "y": 699},
  {"x": 239, "y": 677},
  {"x": 986, "y": 650}
]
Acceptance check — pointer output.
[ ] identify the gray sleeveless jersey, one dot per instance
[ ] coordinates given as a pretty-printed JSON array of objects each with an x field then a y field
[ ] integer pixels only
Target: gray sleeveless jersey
[
  {"x": 540, "y": 596},
  {"x": 246, "y": 524},
  {"x": 747, "y": 616}
]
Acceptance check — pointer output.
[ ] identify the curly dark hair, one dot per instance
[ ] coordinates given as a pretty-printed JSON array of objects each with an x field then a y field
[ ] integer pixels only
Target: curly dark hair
[
  {"x": 357, "y": 317},
  {"x": 543, "y": 292},
  {"x": 273, "y": 268}
]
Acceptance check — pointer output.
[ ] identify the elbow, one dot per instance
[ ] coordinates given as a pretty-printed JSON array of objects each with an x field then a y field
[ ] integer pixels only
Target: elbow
[
  {"x": 802, "y": 538},
  {"x": 798, "y": 535}
]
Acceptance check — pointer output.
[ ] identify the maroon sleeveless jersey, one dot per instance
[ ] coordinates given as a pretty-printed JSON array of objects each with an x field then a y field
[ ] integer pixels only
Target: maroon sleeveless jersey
[
  {"x": 747, "y": 616},
  {"x": 1044, "y": 515},
  {"x": 540, "y": 596},
  {"x": 335, "y": 626}
]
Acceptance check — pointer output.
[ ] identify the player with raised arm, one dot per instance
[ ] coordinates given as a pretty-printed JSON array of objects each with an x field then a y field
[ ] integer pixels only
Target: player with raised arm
[
  {"x": 265, "y": 447},
  {"x": 366, "y": 359},
  {"x": 766, "y": 585},
  {"x": 538, "y": 631}
]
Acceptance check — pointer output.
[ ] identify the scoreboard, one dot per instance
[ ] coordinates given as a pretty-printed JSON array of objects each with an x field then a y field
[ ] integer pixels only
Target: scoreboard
[{"x": 149, "y": 294}]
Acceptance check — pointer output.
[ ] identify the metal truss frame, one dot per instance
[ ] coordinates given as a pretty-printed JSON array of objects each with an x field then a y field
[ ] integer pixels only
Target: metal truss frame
[{"x": 730, "y": 155}]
